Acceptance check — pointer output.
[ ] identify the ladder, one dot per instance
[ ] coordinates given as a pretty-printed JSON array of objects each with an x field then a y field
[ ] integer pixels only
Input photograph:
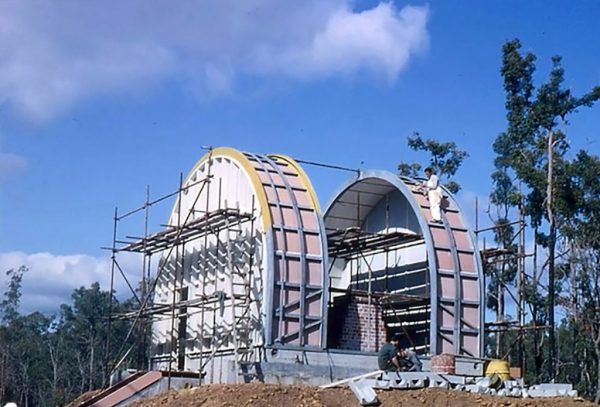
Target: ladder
[{"x": 241, "y": 301}]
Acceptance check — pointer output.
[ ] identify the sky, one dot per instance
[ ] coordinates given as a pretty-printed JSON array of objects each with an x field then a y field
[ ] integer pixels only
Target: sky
[{"x": 100, "y": 99}]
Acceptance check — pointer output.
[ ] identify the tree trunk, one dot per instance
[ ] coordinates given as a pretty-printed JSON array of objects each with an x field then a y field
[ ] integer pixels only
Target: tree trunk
[
  {"x": 500, "y": 316},
  {"x": 597, "y": 348},
  {"x": 91, "y": 384},
  {"x": 551, "y": 249}
]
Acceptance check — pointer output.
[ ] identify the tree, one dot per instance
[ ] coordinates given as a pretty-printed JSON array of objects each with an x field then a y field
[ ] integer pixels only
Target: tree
[
  {"x": 583, "y": 230},
  {"x": 445, "y": 158},
  {"x": 536, "y": 132}
]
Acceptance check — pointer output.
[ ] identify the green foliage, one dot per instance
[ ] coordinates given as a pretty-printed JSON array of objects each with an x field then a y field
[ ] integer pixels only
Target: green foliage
[
  {"x": 532, "y": 116},
  {"x": 48, "y": 361},
  {"x": 445, "y": 158},
  {"x": 534, "y": 150},
  {"x": 10, "y": 305}
]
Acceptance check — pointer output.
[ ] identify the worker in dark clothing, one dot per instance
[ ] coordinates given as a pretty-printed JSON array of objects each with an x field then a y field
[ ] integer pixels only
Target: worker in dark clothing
[
  {"x": 388, "y": 355},
  {"x": 392, "y": 358}
]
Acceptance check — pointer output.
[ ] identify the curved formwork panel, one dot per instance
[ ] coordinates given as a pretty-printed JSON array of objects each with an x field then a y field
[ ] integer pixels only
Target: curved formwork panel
[
  {"x": 426, "y": 277},
  {"x": 247, "y": 269}
]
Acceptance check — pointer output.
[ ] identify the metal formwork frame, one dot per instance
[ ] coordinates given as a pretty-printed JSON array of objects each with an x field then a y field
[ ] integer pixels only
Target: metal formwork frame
[
  {"x": 276, "y": 174},
  {"x": 453, "y": 265}
]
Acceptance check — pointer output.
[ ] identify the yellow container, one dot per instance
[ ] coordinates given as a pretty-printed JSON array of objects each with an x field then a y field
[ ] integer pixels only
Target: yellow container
[{"x": 499, "y": 367}]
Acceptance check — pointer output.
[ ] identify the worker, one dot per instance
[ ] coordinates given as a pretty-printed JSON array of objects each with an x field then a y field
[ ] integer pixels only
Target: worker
[
  {"x": 395, "y": 359},
  {"x": 434, "y": 194},
  {"x": 408, "y": 361},
  {"x": 388, "y": 355}
]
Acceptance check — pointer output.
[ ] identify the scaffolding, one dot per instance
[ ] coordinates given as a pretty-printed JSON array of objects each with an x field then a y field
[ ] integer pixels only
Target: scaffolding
[
  {"x": 402, "y": 313},
  {"x": 221, "y": 225},
  {"x": 495, "y": 259}
]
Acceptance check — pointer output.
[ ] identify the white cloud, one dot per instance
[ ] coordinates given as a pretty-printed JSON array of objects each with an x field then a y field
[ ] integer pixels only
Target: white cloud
[
  {"x": 380, "y": 40},
  {"x": 54, "y": 54},
  {"x": 51, "y": 278}
]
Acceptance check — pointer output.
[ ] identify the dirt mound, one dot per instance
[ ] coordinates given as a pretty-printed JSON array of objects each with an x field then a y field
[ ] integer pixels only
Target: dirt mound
[{"x": 271, "y": 395}]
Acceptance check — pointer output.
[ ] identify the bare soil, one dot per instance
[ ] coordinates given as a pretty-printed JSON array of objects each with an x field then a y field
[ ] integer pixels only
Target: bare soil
[{"x": 258, "y": 395}]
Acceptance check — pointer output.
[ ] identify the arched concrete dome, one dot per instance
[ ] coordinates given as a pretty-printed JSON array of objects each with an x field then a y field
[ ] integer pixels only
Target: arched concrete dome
[
  {"x": 432, "y": 272},
  {"x": 257, "y": 273}
]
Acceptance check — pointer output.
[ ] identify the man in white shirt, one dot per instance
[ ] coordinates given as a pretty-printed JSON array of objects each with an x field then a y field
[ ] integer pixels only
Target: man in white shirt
[{"x": 434, "y": 194}]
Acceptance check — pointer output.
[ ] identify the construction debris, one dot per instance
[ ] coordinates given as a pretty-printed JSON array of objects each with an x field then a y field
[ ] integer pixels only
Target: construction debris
[
  {"x": 363, "y": 386},
  {"x": 259, "y": 395}
]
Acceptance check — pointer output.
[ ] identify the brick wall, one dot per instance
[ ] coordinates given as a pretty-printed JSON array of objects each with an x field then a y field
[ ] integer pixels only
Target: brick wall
[{"x": 357, "y": 333}]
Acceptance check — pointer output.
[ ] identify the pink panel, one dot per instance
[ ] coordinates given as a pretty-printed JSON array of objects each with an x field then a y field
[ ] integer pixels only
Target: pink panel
[
  {"x": 447, "y": 319},
  {"x": 275, "y": 215},
  {"x": 470, "y": 290},
  {"x": 426, "y": 213},
  {"x": 313, "y": 244},
  {"x": 313, "y": 338},
  {"x": 446, "y": 287},
  {"x": 309, "y": 220},
  {"x": 444, "y": 259},
  {"x": 289, "y": 217},
  {"x": 313, "y": 308},
  {"x": 279, "y": 240},
  {"x": 276, "y": 178},
  {"x": 440, "y": 237},
  {"x": 421, "y": 199},
  {"x": 271, "y": 194},
  {"x": 289, "y": 327},
  {"x": 295, "y": 182},
  {"x": 463, "y": 240},
  {"x": 470, "y": 315},
  {"x": 292, "y": 295},
  {"x": 447, "y": 346},
  {"x": 314, "y": 276},
  {"x": 303, "y": 199},
  {"x": 294, "y": 274},
  {"x": 454, "y": 219},
  {"x": 284, "y": 196},
  {"x": 467, "y": 262},
  {"x": 292, "y": 241},
  {"x": 470, "y": 342},
  {"x": 264, "y": 177}
]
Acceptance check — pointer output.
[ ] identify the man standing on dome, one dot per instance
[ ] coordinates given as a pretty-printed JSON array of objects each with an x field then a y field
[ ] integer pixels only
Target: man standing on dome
[{"x": 434, "y": 194}]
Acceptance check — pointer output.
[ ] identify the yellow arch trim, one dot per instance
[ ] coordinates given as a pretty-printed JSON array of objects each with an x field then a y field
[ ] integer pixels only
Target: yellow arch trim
[
  {"x": 241, "y": 159},
  {"x": 303, "y": 176}
]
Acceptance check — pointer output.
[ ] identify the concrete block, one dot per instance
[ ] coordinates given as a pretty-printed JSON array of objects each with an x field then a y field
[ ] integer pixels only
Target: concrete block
[
  {"x": 553, "y": 386},
  {"x": 364, "y": 393},
  {"x": 516, "y": 392},
  {"x": 474, "y": 388},
  {"x": 439, "y": 384}
]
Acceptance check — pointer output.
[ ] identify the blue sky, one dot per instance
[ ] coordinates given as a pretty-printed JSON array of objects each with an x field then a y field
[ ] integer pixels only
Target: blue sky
[{"x": 100, "y": 99}]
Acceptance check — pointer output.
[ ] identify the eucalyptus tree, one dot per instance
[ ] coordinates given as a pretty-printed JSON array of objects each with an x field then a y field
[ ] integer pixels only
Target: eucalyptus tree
[
  {"x": 445, "y": 158},
  {"x": 536, "y": 133}
]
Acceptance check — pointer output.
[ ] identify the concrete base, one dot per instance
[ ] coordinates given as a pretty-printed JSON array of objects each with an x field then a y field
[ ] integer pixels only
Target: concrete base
[{"x": 312, "y": 367}]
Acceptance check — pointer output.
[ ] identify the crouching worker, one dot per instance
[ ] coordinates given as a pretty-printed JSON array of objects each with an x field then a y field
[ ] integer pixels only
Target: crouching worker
[
  {"x": 392, "y": 358},
  {"x": 409, "y": 362}
]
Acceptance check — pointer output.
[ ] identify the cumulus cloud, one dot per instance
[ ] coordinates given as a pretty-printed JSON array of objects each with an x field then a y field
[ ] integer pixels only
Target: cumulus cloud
[
  {"x": 380, "y": 40},
  {"x": 51, "y": 278},
  {"x": 53, "y": 54}
]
